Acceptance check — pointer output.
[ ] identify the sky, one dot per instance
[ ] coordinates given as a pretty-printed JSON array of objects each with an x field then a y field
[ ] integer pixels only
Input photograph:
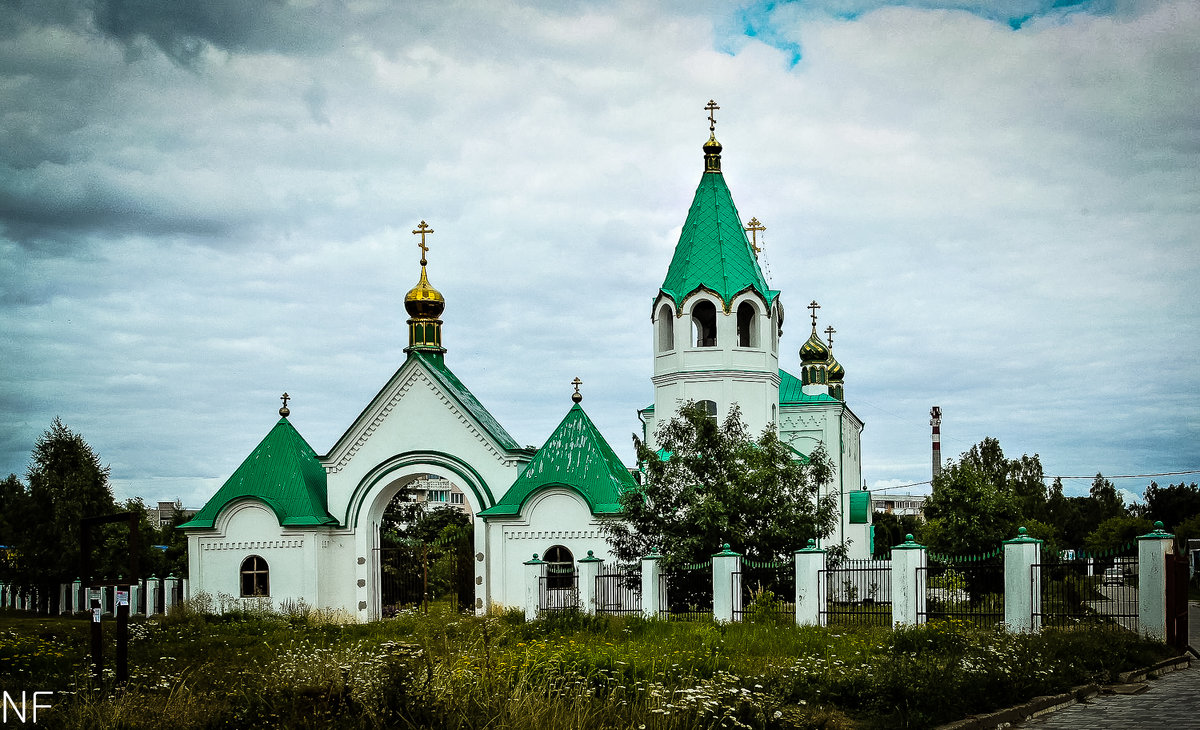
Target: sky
[{"x": 203, "y": 205}]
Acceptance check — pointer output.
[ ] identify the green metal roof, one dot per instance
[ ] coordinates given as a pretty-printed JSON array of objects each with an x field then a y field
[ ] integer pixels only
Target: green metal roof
[
  {"x": 448, "y": 380},
  {"x": 575, "y": 456},
  {"x": 283, "y": 472},
  {"x": 791, "y": 391},
  {"x": 713, "y": 251}
]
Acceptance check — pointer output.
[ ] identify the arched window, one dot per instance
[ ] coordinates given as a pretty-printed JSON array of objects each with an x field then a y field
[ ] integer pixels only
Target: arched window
[
  {"x": 747, "y": 336},
  {"x": 666, "y": 329},
  {"x": 710, "y": 407},
  {"x": 256, "y": 577},
  {"x": 560, "y": 568},
  {"x": 704, "y": 324}
]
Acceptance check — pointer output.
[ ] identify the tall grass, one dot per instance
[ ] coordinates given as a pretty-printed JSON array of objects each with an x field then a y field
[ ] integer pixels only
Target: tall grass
[{"x": 302, "y": 668}]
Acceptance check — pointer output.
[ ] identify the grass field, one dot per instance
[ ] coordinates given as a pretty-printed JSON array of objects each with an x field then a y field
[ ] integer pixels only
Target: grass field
[{"x": 447, "y": 670}]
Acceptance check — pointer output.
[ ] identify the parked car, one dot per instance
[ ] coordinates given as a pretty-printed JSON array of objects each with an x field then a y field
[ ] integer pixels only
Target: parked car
[{"x": 1114, "y": 576}]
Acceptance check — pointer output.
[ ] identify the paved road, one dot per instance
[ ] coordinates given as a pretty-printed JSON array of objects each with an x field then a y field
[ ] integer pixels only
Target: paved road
[{"x": 1171, "y": 702}]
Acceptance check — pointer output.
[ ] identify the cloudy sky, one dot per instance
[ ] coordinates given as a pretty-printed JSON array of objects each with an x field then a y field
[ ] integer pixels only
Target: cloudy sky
[{"x": 202, "y": 205}]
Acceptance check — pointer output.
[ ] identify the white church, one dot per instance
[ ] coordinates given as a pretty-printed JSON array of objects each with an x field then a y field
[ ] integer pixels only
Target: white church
[{"x": 294, "y": 524}]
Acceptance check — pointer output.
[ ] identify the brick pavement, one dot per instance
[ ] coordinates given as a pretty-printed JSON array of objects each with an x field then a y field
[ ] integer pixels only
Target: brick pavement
[{"x": 1172, "y": 701}]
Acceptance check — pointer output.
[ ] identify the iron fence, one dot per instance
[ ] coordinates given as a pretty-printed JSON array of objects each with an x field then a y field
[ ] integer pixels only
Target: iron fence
[
  {"x": 1101, "y": 590},
  {"x": 558, "y": 590},
  {"x": 689, "y": 593},
  {"x": 857, "y": 593},
  {"x": 619, "y": 592},
  {"x": 768, "y": 592},
  {"x": 968, "y": 591}
]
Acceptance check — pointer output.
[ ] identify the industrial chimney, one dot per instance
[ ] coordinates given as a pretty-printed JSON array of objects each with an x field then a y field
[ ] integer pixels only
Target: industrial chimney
[{"x": 935, "y": 420}]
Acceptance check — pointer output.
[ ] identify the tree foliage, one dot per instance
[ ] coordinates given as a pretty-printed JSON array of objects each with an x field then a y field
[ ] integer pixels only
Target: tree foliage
[
  {"x": 711, "y": 484},
  {"x": 972, "y": 507},
  {"x": 890, "y": 529},
  {"x": 1172, "y": 504}
]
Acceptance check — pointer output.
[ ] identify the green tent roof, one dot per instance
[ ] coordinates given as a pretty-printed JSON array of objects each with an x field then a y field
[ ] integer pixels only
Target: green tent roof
[
  {"x": 575, "y": 456},
  {"x": 449, "y": 381},
  {"x": 713, "y": 251},
  {"x": 283, "y": 472}
]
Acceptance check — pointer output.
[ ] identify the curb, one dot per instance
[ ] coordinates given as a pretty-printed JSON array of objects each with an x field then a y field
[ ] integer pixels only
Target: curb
[{"x": 1039, "y": 706}]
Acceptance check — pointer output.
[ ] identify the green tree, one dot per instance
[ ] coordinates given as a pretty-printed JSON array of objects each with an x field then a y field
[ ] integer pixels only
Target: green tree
[
  {"x": 1107, "y": 501},
  {"x": 66, "y": 483},
  {"x": 970, "y": 509},
  {"x": 1116, "y": 532},
  {"x": 890, "y": 530},
  {"x": 710, "y": 484},
  {"x": 1171, "y": 504}
]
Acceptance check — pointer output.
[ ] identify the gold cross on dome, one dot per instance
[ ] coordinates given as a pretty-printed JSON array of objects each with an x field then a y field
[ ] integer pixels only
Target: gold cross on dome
[
  {"x": 712, "y": 121},
  {"x": 422, "y": 230},
  {"x": 814, "y": 307},
  {"x": 829, "y": 333},
  {"x": 755, "y": 228},
  {"x": 577, "y": 396},
  {"x": 285, "y": 398}
]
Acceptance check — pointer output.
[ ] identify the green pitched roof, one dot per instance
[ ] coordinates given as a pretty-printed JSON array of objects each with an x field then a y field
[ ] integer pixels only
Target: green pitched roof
[
  {"x": 449, "y": 381},
  {"x": 791, "y": 391},
  {"x": 713, "y": 251},
  {"x": 575, "y": 456},
  {"x": 283, "y": 472}
]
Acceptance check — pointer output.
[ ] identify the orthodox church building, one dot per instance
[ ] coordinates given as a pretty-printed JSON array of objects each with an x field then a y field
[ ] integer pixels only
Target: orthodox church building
[{"x": 294, "y": 524}]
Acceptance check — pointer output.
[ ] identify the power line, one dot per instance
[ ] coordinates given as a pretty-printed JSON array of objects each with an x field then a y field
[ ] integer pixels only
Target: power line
[{"x": 1115, "y": 476}]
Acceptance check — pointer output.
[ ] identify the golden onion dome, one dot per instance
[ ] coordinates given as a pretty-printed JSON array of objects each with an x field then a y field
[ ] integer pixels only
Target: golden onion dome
[
  {"x": 712, "y": 146},
  {"x": 423, "y": 300},
  {"x": 814, "y": 350},
  {"x": 835, "y": 370}
]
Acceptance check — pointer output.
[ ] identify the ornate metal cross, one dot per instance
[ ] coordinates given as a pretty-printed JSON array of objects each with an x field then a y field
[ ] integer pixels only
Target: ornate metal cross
[
  {"x": 422, "y": 230},
  {"x": 285, "y": 398},
  {"x": 814, "y": 307},
  {"x": 829, "y": 333},
  {"x": 754, "y": 228},
  {"x": 577, "y": 396},
  {"x": 712, "y": 121}
]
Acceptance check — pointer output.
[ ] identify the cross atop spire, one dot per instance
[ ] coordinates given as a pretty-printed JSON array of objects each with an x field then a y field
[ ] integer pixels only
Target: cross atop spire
[
  {"x": 577, "y": 396},
  {"x": 712, "y": 120},
  {"x": 285, "y": 411},
  {"x": 829, "y": 332},
  {"x": 813, "y": 306},
  {"x": 422, "y": 230},
  {"x": 754, "y": 229}
]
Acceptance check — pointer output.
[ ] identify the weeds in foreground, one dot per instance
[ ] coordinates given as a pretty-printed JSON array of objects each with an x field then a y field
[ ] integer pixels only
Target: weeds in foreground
[{"x": 299, "y": 668}]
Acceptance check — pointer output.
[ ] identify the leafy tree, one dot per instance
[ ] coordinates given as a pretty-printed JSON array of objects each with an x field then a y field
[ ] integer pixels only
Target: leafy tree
[
  {"x": 1108, "y": 502},
  {"x": 1172, "y": 504},
  {"x": 890, "y": 530},
  {"x": 1117, "y": 531},
  {"x": 712, "y": 484},
  {"x": 66, "y": 483},
  {"x": 970, "y": 509}
]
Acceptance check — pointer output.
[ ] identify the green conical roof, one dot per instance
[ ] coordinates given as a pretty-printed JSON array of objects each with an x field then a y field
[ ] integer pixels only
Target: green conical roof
[
  {"x": 713, "y": 251},
  {"x": 283, "y": 472},
  {"x": 575, "y": 456}
]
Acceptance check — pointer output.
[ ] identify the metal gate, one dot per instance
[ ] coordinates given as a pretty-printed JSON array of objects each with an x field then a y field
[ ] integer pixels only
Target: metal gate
[
  {"x": 1074, "y": 592},
  {"x": 857, "y": 592},
  {"x": 971, "y": 591},
  {"x": 1177, "y": 601},
  {"x": 619, "y": 592},
  {"x": 414, "y": 575}
]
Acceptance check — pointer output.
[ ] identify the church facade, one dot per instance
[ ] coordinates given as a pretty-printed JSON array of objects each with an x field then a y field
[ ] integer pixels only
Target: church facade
[{"x": 292, "y": 524}]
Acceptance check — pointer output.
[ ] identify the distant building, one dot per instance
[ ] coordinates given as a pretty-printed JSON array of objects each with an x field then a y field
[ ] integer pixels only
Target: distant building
[
  {"x": 900, "y": 504},
  {"x": 437, "y": 491},
  {"x": 161, "y": 515}
]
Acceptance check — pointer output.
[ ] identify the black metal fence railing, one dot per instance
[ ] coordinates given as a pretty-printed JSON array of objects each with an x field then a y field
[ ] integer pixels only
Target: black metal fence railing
[
  {"x": 413, "y": 575},
  {"x": 1102, "y": 590},
  {"x": 768, "y": 592},
  {"x": 969, "y": 591},
  {"x": 689, "y": 594},
  {"x": 558, "y": 591},
  {"x": 857, "y": 593},
  {"x": 619, "y": 593}
]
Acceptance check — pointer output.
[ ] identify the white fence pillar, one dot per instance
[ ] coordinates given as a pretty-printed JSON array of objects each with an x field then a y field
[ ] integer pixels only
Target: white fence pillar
[
  {"x": 152, "y": 592},
  {"x": 1153, "y": 548},
  {"x": 1022, "y": 583},
  {"x": 908, "y": 582},
  {"x": 809, "y": 562},
  {"x": 654, "y": 591},
  {"x": 535, "y": 570},
  {"x": 78, "y": 596},
  {"x": 727, "y": 587},
  {"x": 169, "y": 592},
  {"x": 589, "y": 568}
]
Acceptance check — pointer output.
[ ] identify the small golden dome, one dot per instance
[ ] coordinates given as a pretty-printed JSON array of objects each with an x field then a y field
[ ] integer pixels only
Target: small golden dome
[
  {"x": 814, "y": 350},
  {"x": 423, "y": 300},
  {"x": 836, "y": 372}
]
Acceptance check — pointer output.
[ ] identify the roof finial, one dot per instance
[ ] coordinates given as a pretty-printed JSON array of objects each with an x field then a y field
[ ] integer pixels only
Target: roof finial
[
  {"x": 712, "y": 120},
  {"x": 829, "y": 331},
  {"x": 285, "y": 412},
  {"x": 577, "y": 396},
  {"x": 755, "y": 228},
  {"x": 422, "y": 230},
  {"x": 814, "y": 307}
]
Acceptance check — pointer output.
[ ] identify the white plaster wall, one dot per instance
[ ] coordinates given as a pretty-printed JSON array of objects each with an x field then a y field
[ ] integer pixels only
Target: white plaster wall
[
  {"x": 552, "y": 516},
  {"x": 250, "y": 528}
]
